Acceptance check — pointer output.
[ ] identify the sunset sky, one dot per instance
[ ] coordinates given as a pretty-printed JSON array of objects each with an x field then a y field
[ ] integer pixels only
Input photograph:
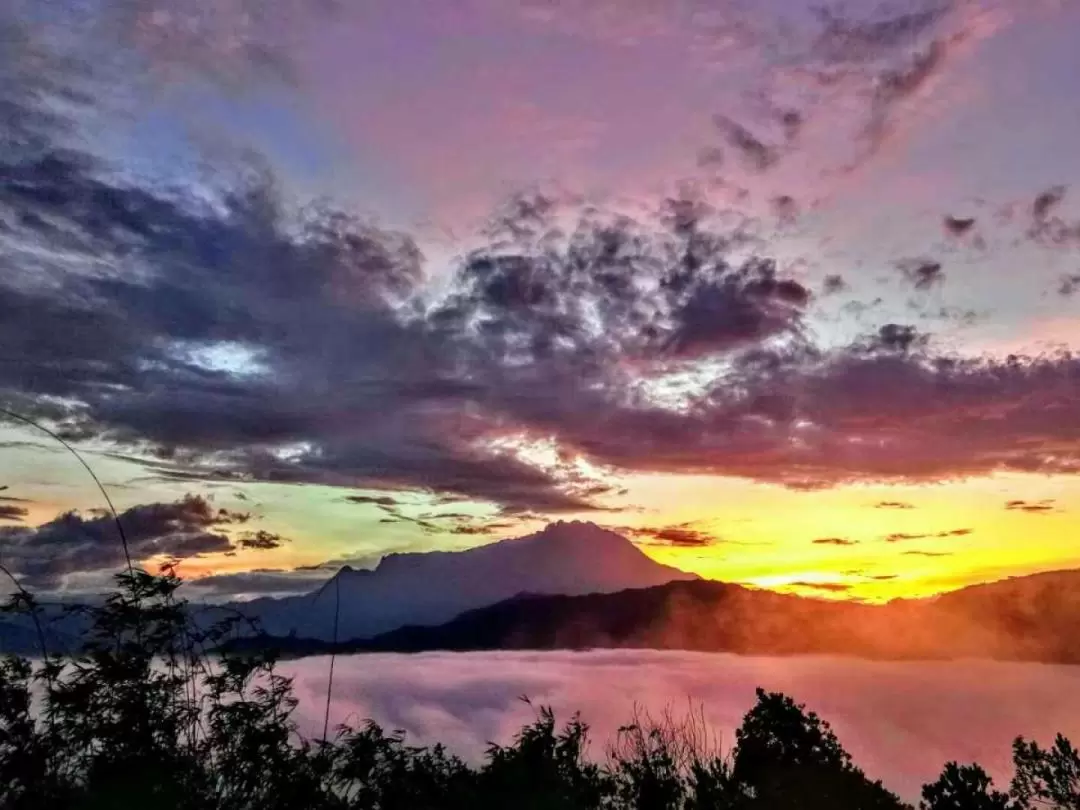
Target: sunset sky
[{"x": 788, "y": 297}]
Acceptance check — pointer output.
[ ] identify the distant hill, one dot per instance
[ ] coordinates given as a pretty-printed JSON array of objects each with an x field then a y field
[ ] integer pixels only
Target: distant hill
[
  {"x": 575, "y": 585},
  {"x": 19, "y": 634},
  {"x": 1033, "y": 618},
  {"x": 427, "y": 588},
  {"x": 430, "y": 588}
]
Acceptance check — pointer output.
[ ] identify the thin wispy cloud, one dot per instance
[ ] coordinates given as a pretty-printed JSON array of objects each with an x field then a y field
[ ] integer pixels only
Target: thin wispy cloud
[
  {"x": 834, "y": 541},
  {"x": 897, "y": 537},
  {"x": 1032, "y": 507},
  {"x": 683, "y": 535}
]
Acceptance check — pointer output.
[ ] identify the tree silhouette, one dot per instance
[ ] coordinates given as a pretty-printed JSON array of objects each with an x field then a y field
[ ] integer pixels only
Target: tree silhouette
[
  {"x": 963, "y": 787},
  {"x": 788, "y": 757},
  {"x": 1046, "y": 777}
]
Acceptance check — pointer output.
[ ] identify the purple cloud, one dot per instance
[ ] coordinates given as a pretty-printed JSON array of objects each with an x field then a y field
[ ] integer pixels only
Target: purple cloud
[{"x": 44, "y": 555}]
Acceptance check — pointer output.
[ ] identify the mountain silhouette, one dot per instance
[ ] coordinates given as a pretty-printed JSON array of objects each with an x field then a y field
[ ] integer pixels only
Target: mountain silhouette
[
  {"x": 430, "y": 588},
  {"x": 1032, "y": 618},
  {"x": 575, "y": 585}
]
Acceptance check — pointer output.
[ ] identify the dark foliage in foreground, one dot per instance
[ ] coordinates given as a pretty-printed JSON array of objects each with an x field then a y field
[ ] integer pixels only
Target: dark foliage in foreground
[{"x": 144, "y": 717}]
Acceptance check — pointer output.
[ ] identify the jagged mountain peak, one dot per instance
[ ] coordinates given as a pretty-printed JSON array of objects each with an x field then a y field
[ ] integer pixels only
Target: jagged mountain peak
[
  {"x": 565, "y": 557},
  {"x": 578, "y": 537}
]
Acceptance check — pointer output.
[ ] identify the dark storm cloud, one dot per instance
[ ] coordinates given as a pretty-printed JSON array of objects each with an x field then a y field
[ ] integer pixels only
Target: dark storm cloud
[
  {"x": 613, "y": 289},
  {"x": 325, "y": 358},
  {"x": 887, "y": 408},
  {"x": 220, "y": 334},
  {"x": 546, "y": 336},
  {"x": 72, "y": 543},
  {"x": 926, "y": 553}
]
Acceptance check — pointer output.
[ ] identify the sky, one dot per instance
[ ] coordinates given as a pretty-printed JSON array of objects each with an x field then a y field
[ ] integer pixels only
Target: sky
[{"x": 786, "y": 293}]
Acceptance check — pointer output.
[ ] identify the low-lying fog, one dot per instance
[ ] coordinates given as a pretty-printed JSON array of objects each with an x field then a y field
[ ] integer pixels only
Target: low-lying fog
[{"x": 900, "y": 721}]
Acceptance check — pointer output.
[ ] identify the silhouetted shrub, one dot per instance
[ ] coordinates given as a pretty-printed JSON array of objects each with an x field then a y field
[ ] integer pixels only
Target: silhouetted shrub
[{"x": 963, "y": 787}]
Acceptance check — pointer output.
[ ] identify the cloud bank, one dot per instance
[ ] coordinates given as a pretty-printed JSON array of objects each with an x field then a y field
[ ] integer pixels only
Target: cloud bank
[{"x": 222, "y": 330}]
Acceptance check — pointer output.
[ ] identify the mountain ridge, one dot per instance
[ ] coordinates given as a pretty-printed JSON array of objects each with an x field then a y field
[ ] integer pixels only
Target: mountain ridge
[
  {"x": 1026, "y": 618},
  {"x": 430, "y": 588}
]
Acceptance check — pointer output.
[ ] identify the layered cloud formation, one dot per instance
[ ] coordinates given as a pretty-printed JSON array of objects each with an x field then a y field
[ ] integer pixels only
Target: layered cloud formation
[
  {"x": 72, "y": 543},
  {"x": 229, "y": 334},
  {"x": 224, "y": 328}
]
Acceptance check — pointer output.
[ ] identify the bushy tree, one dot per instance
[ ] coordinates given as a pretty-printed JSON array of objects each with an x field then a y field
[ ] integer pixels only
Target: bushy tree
[
  {"x": 668, "y": 763},
  {"x": 1046, "y": 778},
  {"x": 1043, "y": 779},
  {"x": 786, "y": 757},
  {"x": 543, "y": 769},
  {"x": 963, "y": 787}
]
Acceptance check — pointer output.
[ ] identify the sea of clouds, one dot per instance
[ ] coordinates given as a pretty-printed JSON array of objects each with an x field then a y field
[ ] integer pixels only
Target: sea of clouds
[{"x": 900, "y": 721}]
